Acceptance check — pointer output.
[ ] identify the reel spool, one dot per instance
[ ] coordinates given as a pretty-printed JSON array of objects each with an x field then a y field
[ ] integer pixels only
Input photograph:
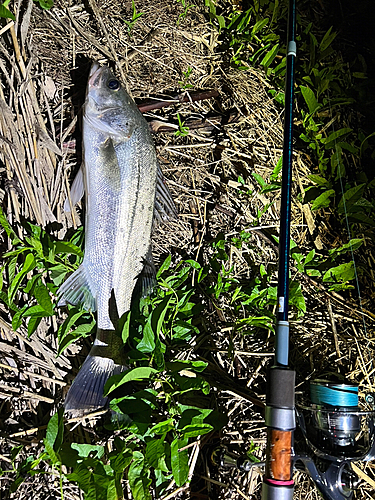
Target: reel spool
[{"x": 332, "y": 423}]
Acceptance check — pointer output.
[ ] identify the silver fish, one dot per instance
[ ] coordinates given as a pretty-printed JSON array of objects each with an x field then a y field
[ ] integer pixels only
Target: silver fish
[{"x": 123, "y": 183}]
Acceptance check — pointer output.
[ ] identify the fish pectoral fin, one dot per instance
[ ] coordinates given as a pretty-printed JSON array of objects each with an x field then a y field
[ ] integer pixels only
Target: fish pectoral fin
[
  {"x": 165, "y": 207},
  {"x": 77, "y": 190},
  {"x": 77, "y": 289}
]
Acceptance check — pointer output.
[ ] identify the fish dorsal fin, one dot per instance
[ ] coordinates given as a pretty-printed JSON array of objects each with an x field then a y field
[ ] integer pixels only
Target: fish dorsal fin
[
  {"x": 77, "y": 190},
  {"x": 165, "y": 207}
]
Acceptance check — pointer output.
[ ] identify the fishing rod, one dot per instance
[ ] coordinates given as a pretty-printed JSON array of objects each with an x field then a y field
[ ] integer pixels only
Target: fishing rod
[
  {"x": 280, "y": 406},
  {"x": 323, "y": 434}
]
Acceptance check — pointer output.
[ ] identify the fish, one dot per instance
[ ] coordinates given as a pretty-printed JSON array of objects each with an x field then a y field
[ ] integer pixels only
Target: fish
[{"x": 125, "y": 196}]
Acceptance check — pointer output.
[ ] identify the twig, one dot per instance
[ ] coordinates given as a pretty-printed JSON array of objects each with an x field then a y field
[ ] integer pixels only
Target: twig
[{"x": 177, "y": 98}]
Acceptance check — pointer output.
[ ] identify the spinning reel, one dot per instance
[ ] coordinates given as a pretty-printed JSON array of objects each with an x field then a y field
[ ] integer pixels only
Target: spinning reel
[{"x": 333, "y": 432}]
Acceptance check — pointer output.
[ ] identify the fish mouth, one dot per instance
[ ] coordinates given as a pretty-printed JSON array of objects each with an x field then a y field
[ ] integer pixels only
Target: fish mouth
[{"x": 94, "y": 75}]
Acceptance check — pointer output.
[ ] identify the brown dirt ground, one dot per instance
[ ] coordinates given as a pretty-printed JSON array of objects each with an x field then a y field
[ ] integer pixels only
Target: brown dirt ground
[{"x": 44, "y": 61}]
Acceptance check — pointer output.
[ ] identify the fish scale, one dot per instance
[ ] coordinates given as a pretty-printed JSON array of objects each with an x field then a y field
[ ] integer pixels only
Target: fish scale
[{"x": 121, "y": 180}]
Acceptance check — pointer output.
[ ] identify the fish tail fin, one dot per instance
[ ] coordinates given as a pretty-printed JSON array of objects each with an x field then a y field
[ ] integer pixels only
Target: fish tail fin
[
  {"x": 77, "y": 289},
  {"x": 86, "y": 392}
]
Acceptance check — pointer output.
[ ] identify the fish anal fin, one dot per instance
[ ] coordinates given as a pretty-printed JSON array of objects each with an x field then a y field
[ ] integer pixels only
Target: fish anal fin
[{"x": 77, "y": 289}]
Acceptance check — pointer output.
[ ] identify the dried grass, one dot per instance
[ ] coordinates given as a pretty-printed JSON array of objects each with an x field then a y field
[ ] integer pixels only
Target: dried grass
[{"x": 44, "y": 60}]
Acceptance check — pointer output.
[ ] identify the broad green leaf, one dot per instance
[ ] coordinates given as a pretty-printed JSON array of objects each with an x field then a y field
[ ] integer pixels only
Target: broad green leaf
[
  {"x": 43, "y": 298},
  {"x": 140, "y": 373},
  {"x": 124, "y": 326},
  {"x": 32, "y": 325},
  {"x": 54, "y": 435},
  {"x": 36, "y": 312},
  {"x": 45, "y": 4},
  {"x": 147, "y": 344},
  {"x": 310, "y": 99},
  {"x": 344, "y": 272},
  {"x": 270, "y": 56},
  {"x": 138, "y": 480},
  {"x": 163, "y": 427},
  {"x": 154, "y": 451},
  {"x": 58, "y": 273},
  {"x": 121, "y": 460},
  {"x": 5, "y": 13},
  {"x": 179, "y": 461},
  {"x": 82, "y": 331},
  {"x": 194, "y": 430},
  {"x": 179, "y": 365},
  {"x": 351, "y": 196},
  {"x": 84, "y": 450},
  {"x": 323, "y": 200},
  {"x": 51, "y": 452},
  {"x": 310, "y": 256},
  {"x": 319, "y": 180},
  {"x": 67, "y": 247}
]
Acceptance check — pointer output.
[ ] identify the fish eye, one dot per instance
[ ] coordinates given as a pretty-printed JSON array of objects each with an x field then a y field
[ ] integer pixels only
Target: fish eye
[{"x": 113, "y": 84}]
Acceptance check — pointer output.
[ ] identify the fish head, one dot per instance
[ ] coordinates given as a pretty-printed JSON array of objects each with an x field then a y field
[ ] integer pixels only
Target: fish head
[{"x": 108, "y": 107}]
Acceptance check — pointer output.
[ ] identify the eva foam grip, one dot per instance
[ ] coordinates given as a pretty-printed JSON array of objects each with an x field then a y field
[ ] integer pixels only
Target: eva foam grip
[{"x": 280, "y": 387}]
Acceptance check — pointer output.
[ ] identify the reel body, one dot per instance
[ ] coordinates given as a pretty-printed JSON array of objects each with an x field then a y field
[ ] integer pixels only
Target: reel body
[{"x": 336, "y": 432}]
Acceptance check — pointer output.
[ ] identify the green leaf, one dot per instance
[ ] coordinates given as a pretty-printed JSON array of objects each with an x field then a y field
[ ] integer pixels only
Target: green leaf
[
  {"x": 327, "y": 40},
  {"x": 67, "y": 247},
  {"x": 163, "y": 427},
  {"x": 124, "y": 326},
  {"x": 82, "y": 331},
  {"x": 36, "y": 312},
  {"x": 319, "y": 180},
  {"x": 54, "y": 435},
  {"x": 334, "y": 136},
  {"x": 45, "y": 4},
  {"x": 310, "y": 99},
  {"x": 176, "y": 366},
  {"x": 28, "y": 265},
  {"x": 138, "y": 481},
  {"x": 343, "y": 273},
  {"x": 115, "y": 381},
  {"x": 259, "y": 26},
  {"x": 154, "y": 451},
  {"x": 179, "y": 461},
  {"x": 84, "y": 450},
  {"x": 5, "y": 13},
  {"x": 121, "y": 460},
  {"x": 353, "y": 245},
  {"x": 259, "y": 180},
  {"x": 270, "y": 56},
  {"x": 194, "y": 430},
  {"x": 41, "y": 294},
  {"x": 147, "y": 344},
  {"x": 350, "y": 198},
  {"x": 323, "y": 200},
  {"x": 32, "y": 325}
]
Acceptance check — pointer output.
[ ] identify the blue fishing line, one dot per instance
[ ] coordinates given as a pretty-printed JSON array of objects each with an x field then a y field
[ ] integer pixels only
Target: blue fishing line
[{"x": 332, "y": 394}]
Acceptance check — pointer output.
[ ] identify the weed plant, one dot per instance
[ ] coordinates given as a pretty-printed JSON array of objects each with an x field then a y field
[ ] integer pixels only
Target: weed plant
[{"x": 162, "y": 404}]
